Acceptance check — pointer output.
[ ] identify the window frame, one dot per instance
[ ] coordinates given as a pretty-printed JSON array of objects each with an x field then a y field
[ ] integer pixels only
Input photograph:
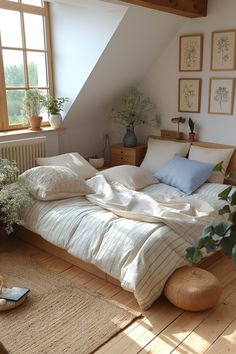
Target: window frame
[{"x": 24, "y": 8}]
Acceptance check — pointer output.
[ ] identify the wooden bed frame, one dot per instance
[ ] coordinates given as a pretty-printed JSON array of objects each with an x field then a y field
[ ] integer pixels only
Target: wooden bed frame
[{"x": 36, "y": 240}]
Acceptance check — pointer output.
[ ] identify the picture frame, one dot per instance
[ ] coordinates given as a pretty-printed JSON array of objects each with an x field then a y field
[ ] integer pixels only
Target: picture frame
[
  {"x": 190, "y": 52},
  {"x": 221, "y": 96},
  {"x": 223, "y": 50},
  {"x": 189, "y": 95}
]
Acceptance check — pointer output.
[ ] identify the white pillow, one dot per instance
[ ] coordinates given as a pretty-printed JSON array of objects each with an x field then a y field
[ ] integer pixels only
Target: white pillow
[
  {"x": 212, "y": 156},
  {"x": 54, "y": 182},
  {"x": 131, "y": 177},
  {"x": 160, "y": 151},
  {"x": 72, "y": 160}
]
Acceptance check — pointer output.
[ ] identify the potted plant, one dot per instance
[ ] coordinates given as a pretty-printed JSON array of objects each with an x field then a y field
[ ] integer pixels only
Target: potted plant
[
  {"x": 12, "y": 198},
  {"x": 191, "y": 124},
  {"x": 32, "y": 104},
  {"x": 97, "y": 162},
  {"x": 54, "y": 106},
  {"x": 133, "y": 110}
]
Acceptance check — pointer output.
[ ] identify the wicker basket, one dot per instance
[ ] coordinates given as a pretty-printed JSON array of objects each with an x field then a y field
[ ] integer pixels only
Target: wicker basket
[{"x": 8, "y": 305}]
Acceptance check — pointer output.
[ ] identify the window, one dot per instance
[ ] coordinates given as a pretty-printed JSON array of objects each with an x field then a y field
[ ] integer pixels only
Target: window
[{"x": 25, "y": 58}]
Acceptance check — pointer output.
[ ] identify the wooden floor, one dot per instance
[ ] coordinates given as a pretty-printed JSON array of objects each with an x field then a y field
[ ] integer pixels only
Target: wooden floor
[{"x": 164, "y": 328}]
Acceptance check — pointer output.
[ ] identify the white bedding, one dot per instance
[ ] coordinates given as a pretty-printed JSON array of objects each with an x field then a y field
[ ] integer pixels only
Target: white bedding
[{"x": 142, "y": 255}]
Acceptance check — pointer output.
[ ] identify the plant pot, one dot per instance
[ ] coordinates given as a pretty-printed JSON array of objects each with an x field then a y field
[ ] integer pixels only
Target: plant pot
[
  {"x": 191, "y": 136},
  {"x": 130, "y": 139},
  {"x": 97, "y": 163},
  {"x": 55, "y": 120},
  {"x": 35, "y": 122}
]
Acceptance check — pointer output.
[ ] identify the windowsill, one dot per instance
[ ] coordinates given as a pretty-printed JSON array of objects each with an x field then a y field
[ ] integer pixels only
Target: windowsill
[{"x": 21, "y": 132}]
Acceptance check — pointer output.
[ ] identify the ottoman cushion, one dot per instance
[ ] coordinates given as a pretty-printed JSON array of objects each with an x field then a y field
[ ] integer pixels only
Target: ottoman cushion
[{"x": 192, "y": 289}]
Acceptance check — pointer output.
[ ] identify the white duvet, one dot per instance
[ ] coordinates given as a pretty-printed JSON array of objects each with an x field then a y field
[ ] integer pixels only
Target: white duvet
[{"x": 142, "y": 249}]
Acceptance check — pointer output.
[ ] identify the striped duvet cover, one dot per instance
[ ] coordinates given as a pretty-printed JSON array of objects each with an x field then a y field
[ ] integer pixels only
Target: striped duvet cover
[{"x": 141, "y": 255}]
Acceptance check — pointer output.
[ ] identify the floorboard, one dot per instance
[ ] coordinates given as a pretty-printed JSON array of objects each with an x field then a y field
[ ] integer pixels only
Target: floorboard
[{"x": 164, "y": 328}]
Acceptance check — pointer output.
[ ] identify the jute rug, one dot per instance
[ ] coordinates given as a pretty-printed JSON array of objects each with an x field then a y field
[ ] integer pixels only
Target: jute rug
[{"x": 58, "y": 316}]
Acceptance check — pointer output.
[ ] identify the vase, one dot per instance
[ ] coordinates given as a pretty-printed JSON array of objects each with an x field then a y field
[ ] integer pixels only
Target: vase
[
  {"x": 106, "y": 150},
  {"x": 130, "y": 139},
  {"x": 55, "y": 120}
]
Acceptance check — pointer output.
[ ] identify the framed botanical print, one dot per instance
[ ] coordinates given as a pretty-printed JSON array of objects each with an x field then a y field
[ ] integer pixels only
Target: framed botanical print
[
  {"x": 189, "y": 95},
  {"x": 221, "y": 95},
  {"x": 190, "y": 52},
  {"x": 223, "y": 50}
]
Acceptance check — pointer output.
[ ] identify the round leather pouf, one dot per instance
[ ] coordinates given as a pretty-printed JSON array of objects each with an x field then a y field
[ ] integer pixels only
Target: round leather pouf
[{"x": 192, "y": 289}]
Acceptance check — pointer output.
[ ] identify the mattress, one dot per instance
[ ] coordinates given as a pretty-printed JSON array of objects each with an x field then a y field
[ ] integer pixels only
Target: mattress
[{"x": 142, "y": 255}]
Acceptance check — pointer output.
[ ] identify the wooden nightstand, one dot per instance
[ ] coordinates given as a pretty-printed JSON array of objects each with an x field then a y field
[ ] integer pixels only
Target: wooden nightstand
[{"x": 121, "y": 155}]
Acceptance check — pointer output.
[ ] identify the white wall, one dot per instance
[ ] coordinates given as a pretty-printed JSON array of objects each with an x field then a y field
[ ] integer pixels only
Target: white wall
[
  {"x": 80, "y": 33},
  {"x": 161, "y": 81},
  {"x": 137, "y": 42}
]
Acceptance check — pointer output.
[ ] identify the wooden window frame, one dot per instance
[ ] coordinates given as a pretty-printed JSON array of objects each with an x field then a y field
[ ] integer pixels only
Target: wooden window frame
[{"x": 43, "y": 11}]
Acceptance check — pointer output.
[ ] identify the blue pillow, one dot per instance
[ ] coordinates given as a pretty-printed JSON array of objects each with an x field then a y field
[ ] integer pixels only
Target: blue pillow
[{"x": 184, "y": 174}]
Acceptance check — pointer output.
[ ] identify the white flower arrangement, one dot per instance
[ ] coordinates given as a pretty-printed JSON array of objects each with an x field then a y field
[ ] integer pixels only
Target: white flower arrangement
[
  {"x": 134, "y": 109},
  {"x": 13, "y": 196}
]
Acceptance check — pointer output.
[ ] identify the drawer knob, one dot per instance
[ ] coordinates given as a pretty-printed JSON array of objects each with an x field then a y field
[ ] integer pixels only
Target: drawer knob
[
  {"x": 121, "y": 152},
  {"x": 121, "y": 158}
]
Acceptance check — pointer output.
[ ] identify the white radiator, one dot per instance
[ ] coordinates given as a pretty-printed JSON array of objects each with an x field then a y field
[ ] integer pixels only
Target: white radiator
[{"x": 24, "y": 151}]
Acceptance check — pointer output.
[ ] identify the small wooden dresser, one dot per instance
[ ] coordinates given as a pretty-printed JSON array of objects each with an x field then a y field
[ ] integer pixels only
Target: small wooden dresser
[{"x": 121, "y": 155}]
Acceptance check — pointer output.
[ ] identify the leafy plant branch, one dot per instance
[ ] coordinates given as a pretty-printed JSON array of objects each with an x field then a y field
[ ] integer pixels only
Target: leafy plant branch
[{"x": 224, "y": 233}]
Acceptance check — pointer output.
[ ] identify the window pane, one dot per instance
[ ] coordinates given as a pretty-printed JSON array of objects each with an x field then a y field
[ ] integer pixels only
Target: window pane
[
  {"x": 13, "y": 68},
  {"x": 15, "y": 107},
  {"x": 33, "y": 2},
  {"x": 10, "y": 28},
  {"x": 44, "y": 112},
  {"x": 34, "y": 31},
  {"x": 37, "y": 69}
]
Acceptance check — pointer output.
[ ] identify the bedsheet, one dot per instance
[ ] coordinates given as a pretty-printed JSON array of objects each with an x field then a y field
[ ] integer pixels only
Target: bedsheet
[{"x": 142, "y": 255}]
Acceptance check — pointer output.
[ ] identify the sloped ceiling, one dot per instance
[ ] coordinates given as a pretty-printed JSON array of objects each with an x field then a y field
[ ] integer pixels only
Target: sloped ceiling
[{"x": 140, "y": 38}]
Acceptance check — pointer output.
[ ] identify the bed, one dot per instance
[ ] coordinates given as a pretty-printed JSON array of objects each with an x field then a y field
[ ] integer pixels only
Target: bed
[{"x": 137, "y": 253}]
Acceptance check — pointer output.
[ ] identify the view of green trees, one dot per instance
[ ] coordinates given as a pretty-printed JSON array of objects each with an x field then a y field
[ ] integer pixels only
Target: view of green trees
[{"x": 14, "y": 77}]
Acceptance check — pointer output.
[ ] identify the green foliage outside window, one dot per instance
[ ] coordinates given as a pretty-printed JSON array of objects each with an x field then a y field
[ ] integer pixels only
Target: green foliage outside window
[{"x": 14, "y": 77}]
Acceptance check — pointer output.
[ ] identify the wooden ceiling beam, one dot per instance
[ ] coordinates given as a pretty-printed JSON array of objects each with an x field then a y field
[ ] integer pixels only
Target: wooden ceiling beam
[{"x": 187, "y": 8}]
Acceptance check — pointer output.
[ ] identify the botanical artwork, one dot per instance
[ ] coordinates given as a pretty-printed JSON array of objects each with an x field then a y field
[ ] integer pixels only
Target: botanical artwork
[
  {"x": 189, "y": 95},
  {"x": 190, "y": 55},
  {"x": 221, "y": 96},
  {"x": 223, "y": 50}
]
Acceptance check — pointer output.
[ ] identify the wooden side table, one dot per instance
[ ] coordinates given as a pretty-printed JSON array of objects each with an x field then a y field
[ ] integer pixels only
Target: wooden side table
[{"x": 120, "y": 155}]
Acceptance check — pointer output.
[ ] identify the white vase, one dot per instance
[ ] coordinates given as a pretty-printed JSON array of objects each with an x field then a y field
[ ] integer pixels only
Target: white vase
[{"x": 55, "y": 120}]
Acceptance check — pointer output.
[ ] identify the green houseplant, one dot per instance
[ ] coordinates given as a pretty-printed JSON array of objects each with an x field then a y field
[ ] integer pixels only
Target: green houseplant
[
  {"x": 54, "y": 106},
  {"x": 132, "y": 110},
  {"x": 191, "y": 124},
  {"x": 222, "y": 234},
  {"x": 32, "y": 104},
  {"x": 12, "y": 198}
]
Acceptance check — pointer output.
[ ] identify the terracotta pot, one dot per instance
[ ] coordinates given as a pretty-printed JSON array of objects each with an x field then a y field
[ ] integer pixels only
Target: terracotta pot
[
  {"x": 35, "y": 122},
  {"x": 191, "y": 136}
]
